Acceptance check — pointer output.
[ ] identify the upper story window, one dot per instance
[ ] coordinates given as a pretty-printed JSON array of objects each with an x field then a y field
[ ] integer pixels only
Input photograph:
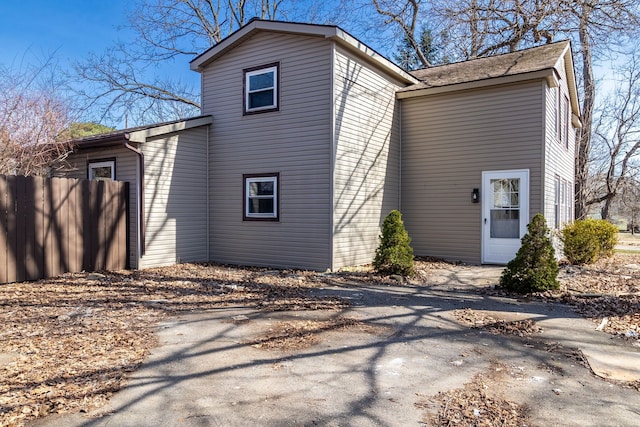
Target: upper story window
[
  {"x": 102, "y": 170},
  {"x": 261, "y": 197},
  {"x": 261, "y": 89}
]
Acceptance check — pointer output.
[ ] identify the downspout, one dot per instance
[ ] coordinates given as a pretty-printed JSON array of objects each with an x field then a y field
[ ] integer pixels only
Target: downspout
[
  {"x": 140, "y": 192},
  {"x": 208, "y": 203},
  {"x": 332, "y": 154},
  {"x": 400, "y": 126}
]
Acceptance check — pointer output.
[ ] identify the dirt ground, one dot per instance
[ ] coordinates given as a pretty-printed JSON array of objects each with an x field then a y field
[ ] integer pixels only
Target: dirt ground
[{"x": 69, "y": 343}]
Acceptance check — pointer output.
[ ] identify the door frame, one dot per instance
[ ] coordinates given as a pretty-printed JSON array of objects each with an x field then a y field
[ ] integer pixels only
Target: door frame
[{"x": 523, "y": 174}]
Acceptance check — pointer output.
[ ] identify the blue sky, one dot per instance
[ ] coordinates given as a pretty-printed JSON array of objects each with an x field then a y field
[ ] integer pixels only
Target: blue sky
[
  {"x": 34, "y": 30},
  {"x": 67, "y": 29}
]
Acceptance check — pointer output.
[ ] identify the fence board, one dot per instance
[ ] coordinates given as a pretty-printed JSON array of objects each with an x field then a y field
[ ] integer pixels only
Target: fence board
[
  {"x": 123, "y": 225},
  {"x": 51, "y": 226},
  {"x": 34, "y": 237},
  {"x": 56, "y": 223},
  {"x": 74, "y": 239},
  {"x": 39, "y": 225},
  {"x": 3, "y": 229},
  {"x": 86, "y": 227},
  {"x": 12, "y": 231}
]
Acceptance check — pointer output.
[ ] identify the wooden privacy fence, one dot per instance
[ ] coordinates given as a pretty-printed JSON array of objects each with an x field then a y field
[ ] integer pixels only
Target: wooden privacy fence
[{"x": 49, "y": 226}]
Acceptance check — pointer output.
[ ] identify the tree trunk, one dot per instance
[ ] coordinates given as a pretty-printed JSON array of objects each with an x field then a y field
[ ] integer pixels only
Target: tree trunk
[
  {"x": 605, "y": 212},
  {"x": 583, "y": 146}
]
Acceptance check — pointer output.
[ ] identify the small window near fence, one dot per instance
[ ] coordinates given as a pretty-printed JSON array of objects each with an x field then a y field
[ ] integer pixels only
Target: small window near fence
[{"x": 103, "y": 170}]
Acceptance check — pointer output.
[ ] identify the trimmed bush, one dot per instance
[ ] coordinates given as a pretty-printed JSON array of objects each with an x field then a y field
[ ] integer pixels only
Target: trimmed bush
[
  {"x": 534, "y": 268},
  {"x": 586, "y": 241},
  {"x": 394, "y": 254}
]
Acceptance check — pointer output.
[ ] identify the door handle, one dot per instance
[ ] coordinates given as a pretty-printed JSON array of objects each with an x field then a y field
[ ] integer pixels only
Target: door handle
[{"x": 485, "y": 220}]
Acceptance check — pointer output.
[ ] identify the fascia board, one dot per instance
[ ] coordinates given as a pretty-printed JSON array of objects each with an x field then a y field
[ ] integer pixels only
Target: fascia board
[{"x": 143, "y": 135}]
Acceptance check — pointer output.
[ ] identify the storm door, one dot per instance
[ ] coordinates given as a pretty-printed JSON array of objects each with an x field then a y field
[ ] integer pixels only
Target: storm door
[{"x": 505, "y": 214}]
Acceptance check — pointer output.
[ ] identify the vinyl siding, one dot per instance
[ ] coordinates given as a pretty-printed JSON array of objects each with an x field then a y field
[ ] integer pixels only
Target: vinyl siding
[
  {"x": 294, "y": 142},
  {"x": 447, "y": 141},
  {"x": 126, "y": 170},
  {"x": 367, "y": 158},
  {"x": 559, "y": 160},
  {"x": 175, "y": 198}
]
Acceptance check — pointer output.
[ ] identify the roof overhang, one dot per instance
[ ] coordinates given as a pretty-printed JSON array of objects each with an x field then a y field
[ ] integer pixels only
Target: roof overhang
[
  {"x": 548, "y": 74},
  {"x": 569, "y": 71},
  {"x": 141, "y": 134},
  {"x": 200, "y": 62}
]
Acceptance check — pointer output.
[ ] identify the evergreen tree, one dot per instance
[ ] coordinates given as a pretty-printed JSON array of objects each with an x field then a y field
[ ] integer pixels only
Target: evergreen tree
[
  {"x": 535, "y": 267},
  {"x": 407, "y": 57},
  {"x": 394, "y": 254}
]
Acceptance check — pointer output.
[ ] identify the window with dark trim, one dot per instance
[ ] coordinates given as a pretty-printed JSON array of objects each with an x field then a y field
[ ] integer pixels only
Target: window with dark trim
[
  {"x": 102, "y": 170},
  {"x": 261, "y": 89},
  {"x": 261, "y": 197}
]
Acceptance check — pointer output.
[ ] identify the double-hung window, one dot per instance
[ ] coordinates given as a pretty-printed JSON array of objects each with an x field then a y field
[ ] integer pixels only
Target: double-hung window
[
  {"x": 261, "y": 197},
  {"x": 261, "y": 89},
  {"x": 102, "y": 170}
]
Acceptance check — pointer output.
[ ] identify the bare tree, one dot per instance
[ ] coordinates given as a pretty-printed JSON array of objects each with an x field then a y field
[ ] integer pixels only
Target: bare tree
[
  {"x": 617, "y": 137},
  {"x": 33, "y": 114},
  {"x": 405, "y": 15},
  {"x": 131, "y": 79},
  {"x": 629, "y": 204},
  {"x": 485, "y": 27}
]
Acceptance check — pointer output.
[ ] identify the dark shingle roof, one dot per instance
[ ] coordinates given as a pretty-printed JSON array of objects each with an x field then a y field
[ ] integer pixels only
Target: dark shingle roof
[{"x": 508, "y": 64}]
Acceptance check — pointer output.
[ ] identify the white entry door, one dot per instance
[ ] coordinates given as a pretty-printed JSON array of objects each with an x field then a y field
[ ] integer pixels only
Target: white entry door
[{"x": 505, "y": 214}]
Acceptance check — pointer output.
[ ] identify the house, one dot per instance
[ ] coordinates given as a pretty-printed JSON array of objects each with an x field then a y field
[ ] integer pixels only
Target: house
[{"x": 308, "y": 138}]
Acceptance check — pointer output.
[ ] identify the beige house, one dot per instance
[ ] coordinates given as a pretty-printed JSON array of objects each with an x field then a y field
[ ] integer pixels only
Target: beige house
[{"x": 309, "y": 138}]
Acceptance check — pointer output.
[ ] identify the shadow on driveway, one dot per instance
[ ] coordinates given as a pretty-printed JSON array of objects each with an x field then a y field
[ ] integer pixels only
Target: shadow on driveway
[{"x": 206, "y": 372}]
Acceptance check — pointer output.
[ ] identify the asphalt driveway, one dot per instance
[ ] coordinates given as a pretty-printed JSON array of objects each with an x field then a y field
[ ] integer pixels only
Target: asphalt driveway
[{"x": 404, "y": 345}]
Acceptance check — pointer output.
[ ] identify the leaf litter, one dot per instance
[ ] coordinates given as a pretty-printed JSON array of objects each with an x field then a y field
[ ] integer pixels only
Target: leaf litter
[
  {"x": 300, "y": 334},
  {"x": 68, "y": 342},
  {"x": 478, "y": 403}
]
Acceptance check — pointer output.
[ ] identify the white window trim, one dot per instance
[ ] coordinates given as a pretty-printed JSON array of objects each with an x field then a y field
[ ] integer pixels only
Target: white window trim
[
  {"x": 108, "y": 163},
  {"x": 261, "y": 178},
  {"x": 247, "y": 91}
]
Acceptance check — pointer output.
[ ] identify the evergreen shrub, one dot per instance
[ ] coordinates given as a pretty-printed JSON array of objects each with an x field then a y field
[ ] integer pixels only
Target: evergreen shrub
[
  {"x": 534, "y": 267},
  {"x": 585, "y": 241},
  {"x": 394, "y": 254}
]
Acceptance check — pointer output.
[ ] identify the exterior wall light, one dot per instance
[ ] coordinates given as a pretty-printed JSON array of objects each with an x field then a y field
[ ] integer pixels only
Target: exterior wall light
[{"x": 475, "y": 195}]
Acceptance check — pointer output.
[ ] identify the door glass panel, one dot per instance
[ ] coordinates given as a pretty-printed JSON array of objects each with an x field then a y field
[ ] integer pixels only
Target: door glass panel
[
  {"x": 505, "y": 223},
  {"x": 505, "y": 212}
]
